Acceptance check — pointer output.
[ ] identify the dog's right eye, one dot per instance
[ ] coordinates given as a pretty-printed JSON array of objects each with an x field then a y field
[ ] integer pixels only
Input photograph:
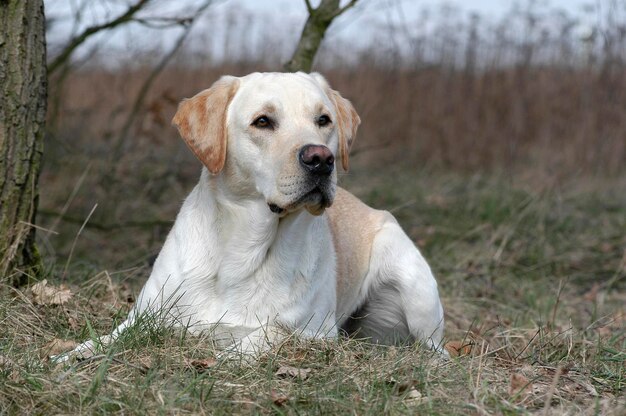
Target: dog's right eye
[{"x": 263, "y": 122}]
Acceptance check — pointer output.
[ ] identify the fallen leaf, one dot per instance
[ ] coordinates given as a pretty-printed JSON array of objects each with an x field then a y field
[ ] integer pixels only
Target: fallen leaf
[
  {"x": 72, "y": 322},
  {"x": 146, "y": 362},
  {"x": 592, "y": 294},
  {"x": 126, "y": 294},
  {"x": 519, "y": 385},
  {"x": 279, "y": 398},
  {"x": 57, "y": 346},
  {"x": 604, "y": 331},
  {"x": 400, "y": 387},
  {"x": 458, "y": 348},
  {"x": 15, "y": 376},
  {"x": 437, "y": 200},
  {"x": 9, "y": 366},
  {"x": 5, "y": 362},
  {"x": 50, "y": 295},
  {"x": 229, "y": 384},
  {"x": 414, "y": 397},
  {"x": 293, "y": 372},
  {"x": 589, "y": 388},
  {"x": 201, "y": 364},
  {"x": 606, "y": 247}
]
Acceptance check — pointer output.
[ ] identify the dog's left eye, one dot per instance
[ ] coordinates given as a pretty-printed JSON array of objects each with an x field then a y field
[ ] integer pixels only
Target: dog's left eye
[
  {"x": 263, "y": 122},
  {"x": 323, "y": 120}
]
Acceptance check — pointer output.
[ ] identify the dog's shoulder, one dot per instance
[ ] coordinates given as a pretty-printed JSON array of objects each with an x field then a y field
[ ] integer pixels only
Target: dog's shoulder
[
  {"x": 349, "y": 211},
  {"x": 353, "y": 225}
]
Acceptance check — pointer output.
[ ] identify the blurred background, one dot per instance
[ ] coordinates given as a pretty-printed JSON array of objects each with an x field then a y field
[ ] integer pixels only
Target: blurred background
[{"x": 502, "y": 99}]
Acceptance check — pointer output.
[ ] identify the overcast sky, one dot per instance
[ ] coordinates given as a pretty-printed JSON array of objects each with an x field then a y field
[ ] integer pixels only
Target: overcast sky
[{"x": 229, "y": 21}]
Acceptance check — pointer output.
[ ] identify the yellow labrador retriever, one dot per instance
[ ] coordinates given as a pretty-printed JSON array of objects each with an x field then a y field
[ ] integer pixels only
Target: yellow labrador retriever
[{"x": 266, "y": 239}]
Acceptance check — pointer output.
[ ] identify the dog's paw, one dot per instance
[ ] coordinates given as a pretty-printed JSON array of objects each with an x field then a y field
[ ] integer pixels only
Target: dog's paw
[
  {"x": 82, "y": 352},
  {"x": 235, "y": 353},
  {"x": 250, "y": 345}
]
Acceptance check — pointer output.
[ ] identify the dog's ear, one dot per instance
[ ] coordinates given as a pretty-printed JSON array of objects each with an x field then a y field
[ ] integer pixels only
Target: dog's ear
[
  {"x": 201, "y": 122},
  {"x": 347, "y": 120}
]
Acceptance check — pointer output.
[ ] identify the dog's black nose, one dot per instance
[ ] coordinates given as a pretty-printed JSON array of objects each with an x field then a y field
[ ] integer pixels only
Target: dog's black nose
[{"x": 317, "y": 159}]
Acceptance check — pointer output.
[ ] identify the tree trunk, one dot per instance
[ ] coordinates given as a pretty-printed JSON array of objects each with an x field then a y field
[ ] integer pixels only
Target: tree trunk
[
  {"x": 23, "y": 88},
  {"x": 313, "y": 33}
]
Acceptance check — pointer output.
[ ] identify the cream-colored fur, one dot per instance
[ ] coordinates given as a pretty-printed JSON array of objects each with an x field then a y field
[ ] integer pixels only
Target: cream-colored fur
[{"x": 261, "y": 243}]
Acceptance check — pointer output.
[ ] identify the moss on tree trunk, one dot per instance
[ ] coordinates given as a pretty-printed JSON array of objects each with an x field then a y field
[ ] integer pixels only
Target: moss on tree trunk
[{"x": 23, "y": 87}]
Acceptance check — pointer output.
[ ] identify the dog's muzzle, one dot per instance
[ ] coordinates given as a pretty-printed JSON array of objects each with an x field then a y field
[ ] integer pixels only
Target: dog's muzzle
[{"x": 315, "y": 190}]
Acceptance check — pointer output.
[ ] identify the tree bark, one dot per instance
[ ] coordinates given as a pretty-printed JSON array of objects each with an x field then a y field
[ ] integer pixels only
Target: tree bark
[
  {"x": 313, "y": 33},
  {"x": 23, "y": 87}
]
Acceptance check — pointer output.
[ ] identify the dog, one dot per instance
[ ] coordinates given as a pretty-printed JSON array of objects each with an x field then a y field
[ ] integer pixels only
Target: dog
[{"x": 267, "y": 239}]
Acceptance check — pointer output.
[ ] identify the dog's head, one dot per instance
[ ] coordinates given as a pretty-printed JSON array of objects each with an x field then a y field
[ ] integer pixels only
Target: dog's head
[{"x": 274, "y": 135}]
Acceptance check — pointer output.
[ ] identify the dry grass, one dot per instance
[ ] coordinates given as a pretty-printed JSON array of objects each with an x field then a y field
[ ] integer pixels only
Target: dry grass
[
  {"x": 559, "y": 120},
  {"x": 532, "y": 284}
]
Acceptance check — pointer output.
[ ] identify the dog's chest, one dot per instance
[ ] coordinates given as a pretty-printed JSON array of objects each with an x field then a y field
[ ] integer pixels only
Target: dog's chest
[{"x": 277, "y": 274}]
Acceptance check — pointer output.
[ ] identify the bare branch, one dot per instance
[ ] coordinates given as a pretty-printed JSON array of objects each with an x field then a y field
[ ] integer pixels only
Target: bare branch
[
  {"x": 309, "y": 8},
  {"x": 344, "y": 8},
  {"x": 92, "y": 30},
  {"x": 313, "y": 33},
  {"x": 145, "y": 88},
  {"x": 143, "y": 92},
  {"x": 164, "y": 22}
]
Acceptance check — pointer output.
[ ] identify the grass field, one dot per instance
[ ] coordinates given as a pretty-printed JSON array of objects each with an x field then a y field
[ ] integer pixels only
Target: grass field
[
  {"x": 533, "y": 280},
  {"x": 511, "y": 182}
]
